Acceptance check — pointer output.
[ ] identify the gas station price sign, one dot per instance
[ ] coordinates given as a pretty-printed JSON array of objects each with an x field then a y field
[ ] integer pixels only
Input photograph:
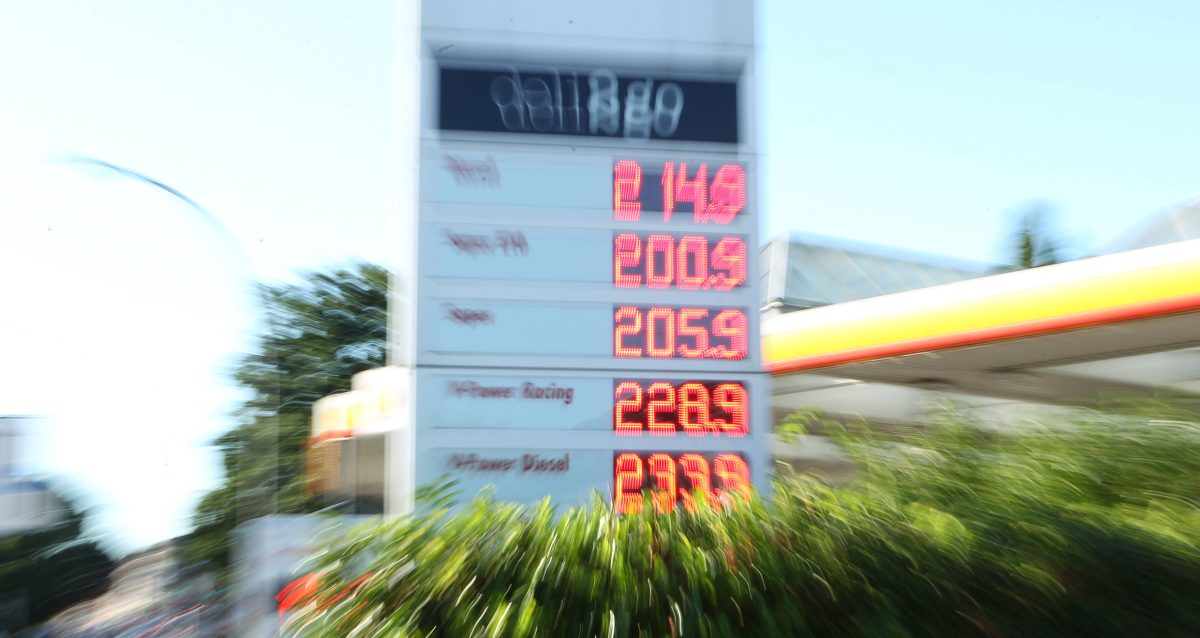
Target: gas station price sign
[{"x": 591, "y": 228}]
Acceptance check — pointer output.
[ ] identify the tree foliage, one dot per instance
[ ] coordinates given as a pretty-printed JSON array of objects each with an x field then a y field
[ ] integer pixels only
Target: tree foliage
[
  {"x": 1087, "y": 528},
  {"x": 1034, "y": 242},
  {"x": 316, "y": 335},
  {"x": 53, "y": 568}
]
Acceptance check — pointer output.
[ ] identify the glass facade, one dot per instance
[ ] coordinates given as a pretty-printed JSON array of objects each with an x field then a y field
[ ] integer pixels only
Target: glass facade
[{"x": 804, "y": 271}]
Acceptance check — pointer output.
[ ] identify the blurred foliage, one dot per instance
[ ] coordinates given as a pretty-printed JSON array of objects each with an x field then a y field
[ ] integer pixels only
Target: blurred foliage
[
  {"x": 1084, "y": 527},
  {"x": 798, "y": 424},
  {"x": 317, "y": 334},
  {"x": 1035, "y": 242},
  {"x": 53, "y": 568}
]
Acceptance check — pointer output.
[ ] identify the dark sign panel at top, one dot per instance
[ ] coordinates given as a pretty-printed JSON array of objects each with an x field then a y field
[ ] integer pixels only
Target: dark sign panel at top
[{"x": 593, "y": 103}]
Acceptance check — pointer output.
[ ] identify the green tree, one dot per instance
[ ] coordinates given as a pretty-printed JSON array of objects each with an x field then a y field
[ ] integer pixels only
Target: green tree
[
  {"x": 1034, "y": 242},
  {"x": 317, "y": 334},
  {"x": 53, "y": 568}
]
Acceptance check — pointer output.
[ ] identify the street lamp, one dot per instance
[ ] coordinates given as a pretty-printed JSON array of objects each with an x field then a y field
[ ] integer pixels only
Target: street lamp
[
  {"x": 81, "y": 160},
  {"x": 230, "y": 241}
]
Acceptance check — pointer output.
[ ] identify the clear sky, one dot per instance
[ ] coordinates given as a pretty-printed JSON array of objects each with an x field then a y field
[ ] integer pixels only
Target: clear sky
[
  {"x": 921, "y": 123},
  {"x": 915, "y": 124}
]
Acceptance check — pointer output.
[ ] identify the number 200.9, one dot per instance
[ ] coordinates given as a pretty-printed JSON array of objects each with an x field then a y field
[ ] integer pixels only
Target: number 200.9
[{"x": 687, "y": 264}]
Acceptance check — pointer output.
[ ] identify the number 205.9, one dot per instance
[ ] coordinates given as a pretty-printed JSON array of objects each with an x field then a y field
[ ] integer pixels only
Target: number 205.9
[{"x": 660, "y": 332}]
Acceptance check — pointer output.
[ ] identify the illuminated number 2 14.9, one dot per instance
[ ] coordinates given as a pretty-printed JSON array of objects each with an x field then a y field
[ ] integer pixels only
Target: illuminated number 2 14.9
[{"x": 717, "y": 202}]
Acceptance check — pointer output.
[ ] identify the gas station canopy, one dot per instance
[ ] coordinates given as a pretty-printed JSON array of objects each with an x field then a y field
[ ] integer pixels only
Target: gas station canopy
[{"x": 1063, "y": 334}]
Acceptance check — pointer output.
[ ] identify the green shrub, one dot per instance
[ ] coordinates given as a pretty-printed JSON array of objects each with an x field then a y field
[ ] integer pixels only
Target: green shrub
[{"x": 1087, "y": 528}]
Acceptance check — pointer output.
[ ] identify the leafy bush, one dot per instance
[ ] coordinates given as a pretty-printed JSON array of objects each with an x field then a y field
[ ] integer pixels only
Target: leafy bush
[{"x": 1087, "y": 528}]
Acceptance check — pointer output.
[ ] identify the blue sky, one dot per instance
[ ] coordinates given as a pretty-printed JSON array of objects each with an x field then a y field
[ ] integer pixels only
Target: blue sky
[
  {"x": 921, "y": 123},
  {"x": 913, "y": 124}
]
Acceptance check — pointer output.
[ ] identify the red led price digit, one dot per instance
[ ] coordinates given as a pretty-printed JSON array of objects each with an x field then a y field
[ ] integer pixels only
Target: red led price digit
[
  {"x": 627, "y": 253},
  {"x": 697, "y": 248},
  {"x": 668, "y": 190},
  {"x": 728, "y": 194},
  {"x": 688, "y": 190},
  {"x": 730, "y": 256},
  {"x": 627, "y": 405},
  {"x": 731, "y": 397},
  {"x": 695, "y": 468},
  {"x": 662, "y": 468},
  {"x": 633, "y": 328},
  {"x": 657, "y": 245},
  {"x": 627, "y": 186},
  {"x": 627, "y": 483},
  {"x": 665, "y": 402},
  {"x": 664, "y": 317},
  {"x": 693, "y": 409},
  {"x": 731, "y": 324},
  {"x": 699, "y": 334},
  {"x": 734, "y": 474}
]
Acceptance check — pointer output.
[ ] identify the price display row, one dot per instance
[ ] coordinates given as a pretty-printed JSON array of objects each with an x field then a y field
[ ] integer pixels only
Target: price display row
[
  {"x": 666, "y": 479},
  {"x": 675, "y": 190},
  {"x": 597, "y": 334},
  {"x": 626, "y": 403},
  {"x": 647, "y": 260}
]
